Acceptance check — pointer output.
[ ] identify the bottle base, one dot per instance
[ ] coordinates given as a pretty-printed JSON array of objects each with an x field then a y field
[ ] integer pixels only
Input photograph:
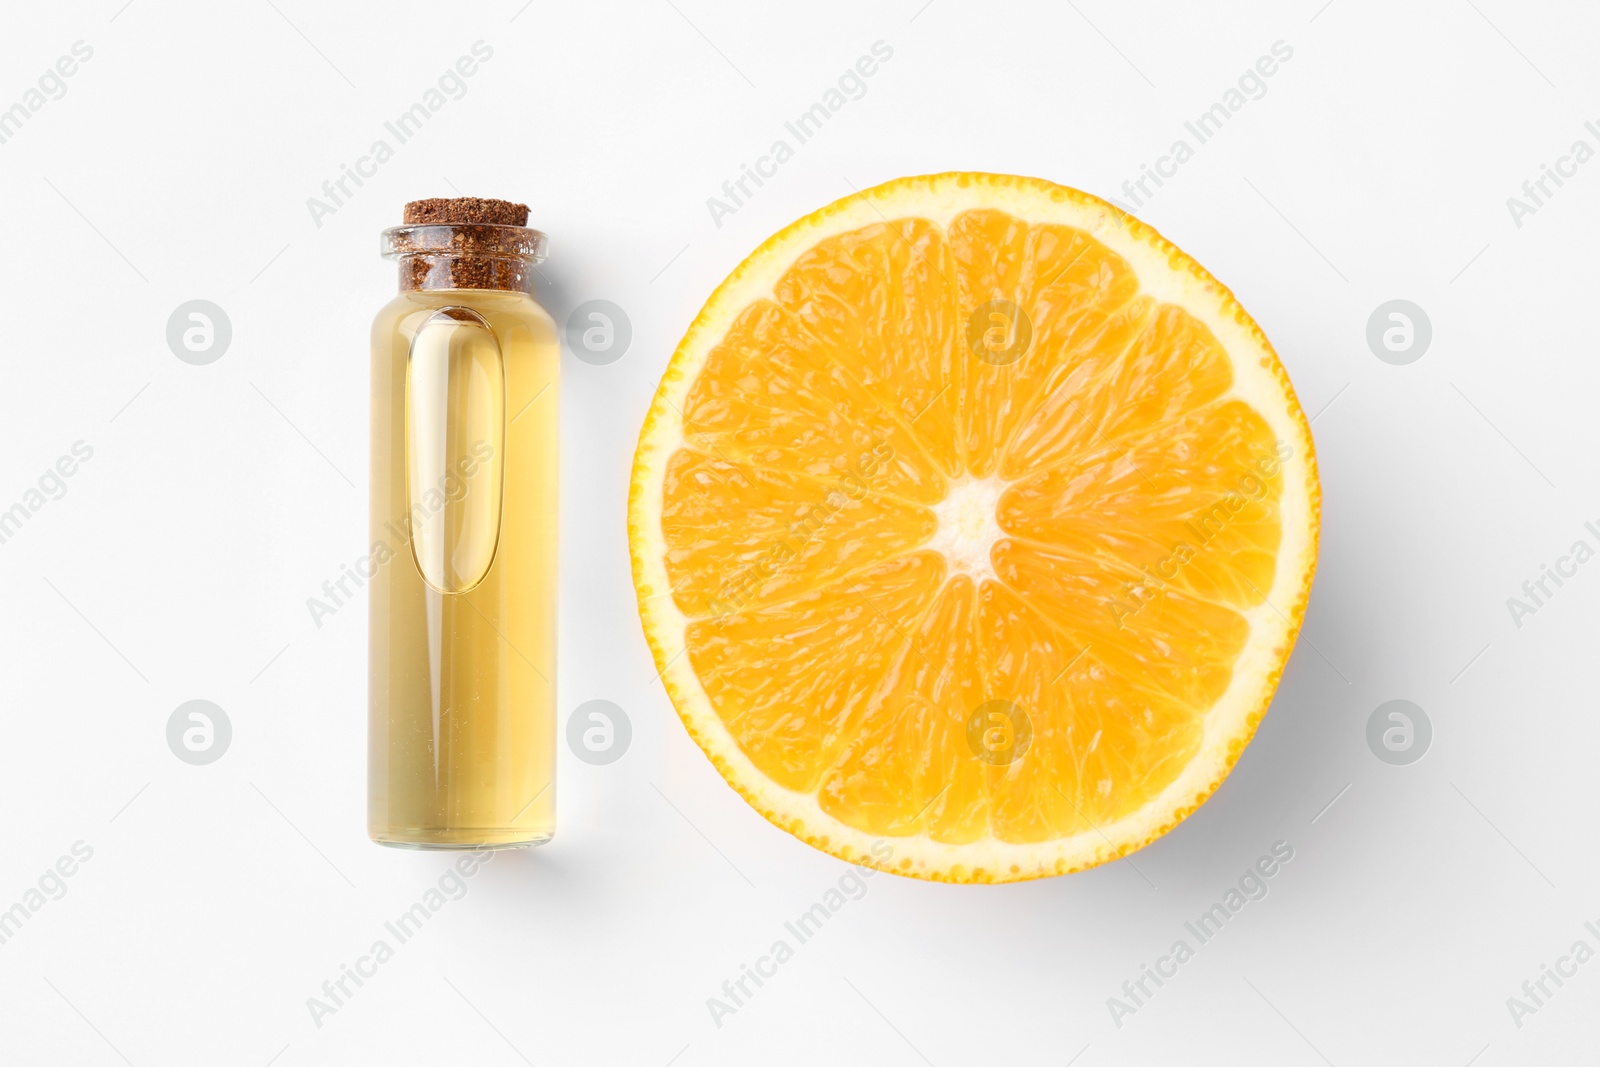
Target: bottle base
[{"x": 477, "y": 840}]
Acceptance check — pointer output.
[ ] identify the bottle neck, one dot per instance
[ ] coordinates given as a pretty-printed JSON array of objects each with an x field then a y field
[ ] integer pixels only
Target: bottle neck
[
  {"x": 422, "y": 272},
  {"x": 465, "y": 256}
]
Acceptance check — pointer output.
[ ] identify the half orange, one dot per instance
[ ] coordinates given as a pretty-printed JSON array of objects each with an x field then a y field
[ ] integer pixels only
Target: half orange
[{"x": 972, "y": 527}]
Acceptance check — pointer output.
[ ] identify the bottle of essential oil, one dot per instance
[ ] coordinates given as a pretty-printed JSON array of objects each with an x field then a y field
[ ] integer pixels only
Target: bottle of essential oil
[{"x": 463, "y": 605}]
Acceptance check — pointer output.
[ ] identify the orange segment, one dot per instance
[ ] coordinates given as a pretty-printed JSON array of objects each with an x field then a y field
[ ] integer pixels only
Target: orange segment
[
  {"x": 1164, "y": 640},
  {"x": 907, "y": 767},
  {"x": 1099, "y": 749},
  {"x": 877, "y": 301},
  {"x": 794, "y": 533},
  {"x": 974, "y": 519},
  {"x": 786, "y": 679},
  {"x": 1193, "y": 507},
  {"x": 775, "y": 398},
  {"x": 1042, "y": 297}
]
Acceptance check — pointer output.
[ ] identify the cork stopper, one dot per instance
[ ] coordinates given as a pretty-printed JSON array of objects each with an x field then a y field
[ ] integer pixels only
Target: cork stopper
[
  {"x": 465, "y": 242},
  {"x": 445, "y": 211}
]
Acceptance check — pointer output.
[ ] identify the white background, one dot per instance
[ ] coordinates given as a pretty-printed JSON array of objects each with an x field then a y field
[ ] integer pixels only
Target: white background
[{"x": 219, "y": 498}]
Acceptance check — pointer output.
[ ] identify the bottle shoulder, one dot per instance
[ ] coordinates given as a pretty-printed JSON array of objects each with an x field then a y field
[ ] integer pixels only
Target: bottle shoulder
[
  {"x": 481, "y": 300},
  {"x": 505, "y": 312}
]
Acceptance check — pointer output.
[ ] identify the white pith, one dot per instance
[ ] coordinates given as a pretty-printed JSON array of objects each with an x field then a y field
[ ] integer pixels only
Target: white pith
[
  {"x": 964, "y": 535},
  {"x": 969, "y": 527}
]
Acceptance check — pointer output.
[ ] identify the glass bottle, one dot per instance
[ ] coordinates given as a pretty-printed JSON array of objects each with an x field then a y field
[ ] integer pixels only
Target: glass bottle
[{"x": 461, "y": 701}]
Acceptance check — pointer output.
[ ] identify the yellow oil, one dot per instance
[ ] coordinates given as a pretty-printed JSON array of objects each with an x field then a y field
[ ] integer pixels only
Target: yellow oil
[{"x": 463, "y": 606}]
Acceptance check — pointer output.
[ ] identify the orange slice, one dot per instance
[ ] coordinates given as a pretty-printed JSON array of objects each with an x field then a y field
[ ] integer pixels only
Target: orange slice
[{"x": 972, "y": 526}]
